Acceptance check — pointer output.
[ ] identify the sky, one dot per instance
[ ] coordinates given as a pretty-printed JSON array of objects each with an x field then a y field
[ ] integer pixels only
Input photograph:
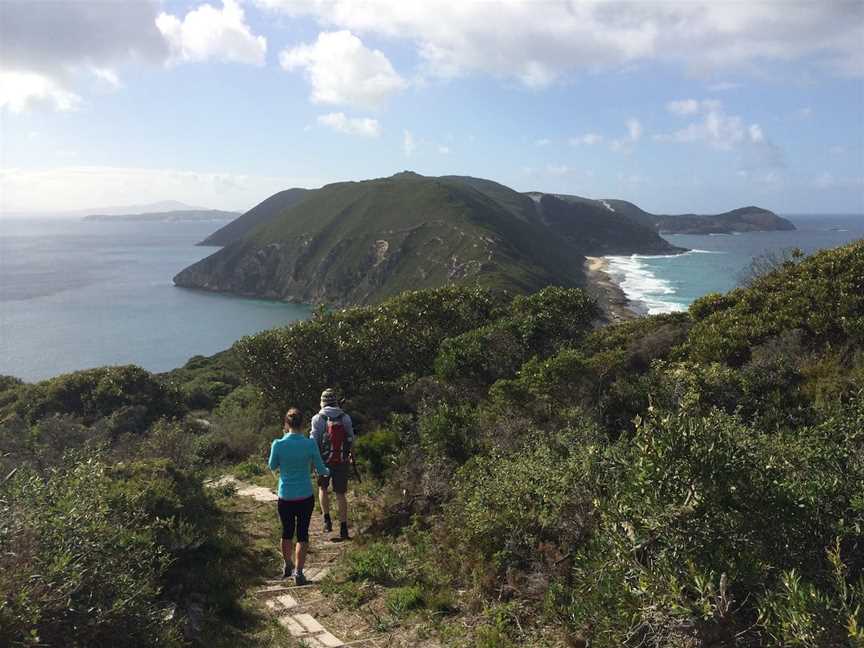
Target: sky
[{"x": 677, "y": 106}]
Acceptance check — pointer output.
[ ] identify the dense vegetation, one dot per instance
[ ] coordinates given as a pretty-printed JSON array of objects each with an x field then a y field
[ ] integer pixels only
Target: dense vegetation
[{"x": 688, "y": 480}]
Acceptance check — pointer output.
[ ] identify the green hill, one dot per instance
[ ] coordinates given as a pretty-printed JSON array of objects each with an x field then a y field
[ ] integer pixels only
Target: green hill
[
  {"x": 743, "y": 219},
  {"x": 261, "y": 213},
  {"x": 360, "y": 242}
]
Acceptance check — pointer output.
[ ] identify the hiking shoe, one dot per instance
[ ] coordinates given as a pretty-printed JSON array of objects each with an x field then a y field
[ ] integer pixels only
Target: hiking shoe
[
  {"x": 287, "y": 569},
  {"x": 299, "y": 578},
  {"x": 343, "y": 531},
  {"x": 328, "y": 523}
]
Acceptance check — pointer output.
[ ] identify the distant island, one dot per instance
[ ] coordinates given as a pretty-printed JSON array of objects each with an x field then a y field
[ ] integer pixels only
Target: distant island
[
  {"x": 351, "y": 243},
  {"x": 176, "y": 216}
]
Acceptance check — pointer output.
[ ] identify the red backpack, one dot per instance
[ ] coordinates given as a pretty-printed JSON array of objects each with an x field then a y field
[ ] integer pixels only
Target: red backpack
[{"x": 334, "y": 443}]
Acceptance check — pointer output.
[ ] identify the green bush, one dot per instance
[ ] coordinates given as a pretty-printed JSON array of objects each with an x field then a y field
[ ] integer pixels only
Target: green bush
[
  {"x": 450, "y": 432},
  {"x": 538, "y": 325},
  {"x": 95, "y": 394},
  {"x": 727, "y": 327},
  {"x": 357, "y": 347},
  {"x": 507, "y": 505},
  {"x": 403, "y": 600},
  {"x": 377, "y": 562},
  {"x": 377, "y": 450},
  {"x": 700, "y": 517},
  {"x": 78, "y": 567}
]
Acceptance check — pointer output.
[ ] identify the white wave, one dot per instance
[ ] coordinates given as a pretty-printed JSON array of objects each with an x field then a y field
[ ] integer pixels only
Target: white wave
[{"x": 642, "y": 286}]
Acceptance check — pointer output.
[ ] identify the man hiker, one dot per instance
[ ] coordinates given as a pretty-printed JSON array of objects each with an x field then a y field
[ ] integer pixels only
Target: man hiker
[{"x": 333, "y": 431}]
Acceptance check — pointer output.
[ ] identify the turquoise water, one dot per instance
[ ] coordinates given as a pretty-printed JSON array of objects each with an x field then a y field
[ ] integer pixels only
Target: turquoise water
[
  {"x": 663, "y": 284},
  {"x": 80, "y": 294}
]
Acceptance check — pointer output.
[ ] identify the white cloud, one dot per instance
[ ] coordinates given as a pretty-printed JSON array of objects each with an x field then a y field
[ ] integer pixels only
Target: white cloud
[
  {"x": 837, "y": 149},
  {"x": 589, "y": 139},
  {"x": 557, "y": 169},
  {"x": 49, "y": 47},
  {"x": 634, "y": 134},
  {"x": 634, "y": 129},
  {"x": 514, "y": 39},
  {"x": 683, "y": 107},
  {"x": 542, "y": 142},
  {"x": 362, "y": 126},
  {"x": 342, "y": 70},
  {"x": 444, "y": 150},
  {"x": 207, "y": 33},
  {"x": 83, "y": 187},
  {"x": 106, "y": 75},
  {"x": 804, "y": 113},
  {"x": 408, "y": 143},
  {"x": 716, "y": 128},
  {"x": 20, "y": 90},
  {"x": 723, "y": 86},
  {"x": 829, "y": 181},
  {"x": 756, "y": 134}
]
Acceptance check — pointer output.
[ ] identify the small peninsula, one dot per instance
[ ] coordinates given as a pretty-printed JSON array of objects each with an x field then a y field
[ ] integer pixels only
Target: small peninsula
[
  {"x": 353, "y": 243},
  {"x": 176, "y": 216}
]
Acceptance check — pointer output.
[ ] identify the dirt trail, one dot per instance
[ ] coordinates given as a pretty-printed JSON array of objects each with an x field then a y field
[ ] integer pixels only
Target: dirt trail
[{"x": 298, "y": 609}]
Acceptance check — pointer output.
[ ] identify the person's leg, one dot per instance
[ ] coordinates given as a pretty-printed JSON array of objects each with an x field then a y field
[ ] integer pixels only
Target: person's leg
[
  {"x": 304, "y": 516},
  {"x": 287, "y": 519},
  {"x": 324, "y": 501},
  {"x": 340, "y": 488},
  {"x": 342, "y": 505},
  {"x": 303, "y": 519}
]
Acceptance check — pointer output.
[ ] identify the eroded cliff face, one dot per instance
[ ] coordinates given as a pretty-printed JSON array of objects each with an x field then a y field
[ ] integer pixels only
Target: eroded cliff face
[{"x": 298, "y": 270}]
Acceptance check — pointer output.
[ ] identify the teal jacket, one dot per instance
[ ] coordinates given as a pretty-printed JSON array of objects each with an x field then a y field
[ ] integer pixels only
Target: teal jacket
[{"x": 293, "y": 455}]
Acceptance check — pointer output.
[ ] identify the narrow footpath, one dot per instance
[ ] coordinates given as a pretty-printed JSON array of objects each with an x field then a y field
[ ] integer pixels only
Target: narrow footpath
[{"x": 295, "y": 607}]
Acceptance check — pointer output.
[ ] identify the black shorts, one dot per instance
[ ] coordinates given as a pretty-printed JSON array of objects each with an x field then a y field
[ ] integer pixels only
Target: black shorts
[
  {"x": 298, "y": 514},
  {"x": 339, "y": 473}
]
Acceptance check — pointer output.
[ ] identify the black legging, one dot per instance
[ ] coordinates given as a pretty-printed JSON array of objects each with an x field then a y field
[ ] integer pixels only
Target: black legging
[{"x": 299, "y": 512}]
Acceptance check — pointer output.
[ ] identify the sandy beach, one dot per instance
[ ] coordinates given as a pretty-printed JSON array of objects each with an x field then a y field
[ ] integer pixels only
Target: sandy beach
[{"x": 611, "y": 299}]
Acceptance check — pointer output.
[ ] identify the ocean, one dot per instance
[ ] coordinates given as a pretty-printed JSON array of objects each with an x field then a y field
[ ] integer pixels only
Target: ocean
[
  {"x": 77, "y": 294},
  {"x": 717, "y": 262}
]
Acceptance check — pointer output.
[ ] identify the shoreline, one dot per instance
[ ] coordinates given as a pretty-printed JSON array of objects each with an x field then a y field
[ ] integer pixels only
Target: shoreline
[{"x": 614, "y": 304}]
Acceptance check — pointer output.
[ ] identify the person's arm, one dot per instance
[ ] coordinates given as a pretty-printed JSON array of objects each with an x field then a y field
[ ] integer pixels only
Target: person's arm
[
  {"x": 315, "y": 432},
  {"x": 273, "y": 462},
  {"x": 322, "y": 470},
  {"x": 349, "y": 430}
]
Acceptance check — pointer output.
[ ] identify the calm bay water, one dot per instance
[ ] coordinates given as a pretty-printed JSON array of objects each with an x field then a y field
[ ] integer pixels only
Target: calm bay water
[
  {"x": 663, "y": 284},
  {"x": 77, "y": 294}
]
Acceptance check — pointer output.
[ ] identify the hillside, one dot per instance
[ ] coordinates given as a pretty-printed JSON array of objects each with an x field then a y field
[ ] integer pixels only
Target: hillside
[
  {"x": 359, "y": 242},
  {"x": 743, "y": 219},
  {"x": 176, "y": 216},
  {"x": 261, "y": 213}
]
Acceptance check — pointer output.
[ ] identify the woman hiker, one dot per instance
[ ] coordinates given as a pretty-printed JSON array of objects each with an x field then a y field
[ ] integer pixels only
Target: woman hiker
[{"x": 293, "y": 454}]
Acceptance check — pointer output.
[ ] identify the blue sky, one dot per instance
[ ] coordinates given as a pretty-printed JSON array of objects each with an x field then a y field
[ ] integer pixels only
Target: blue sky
[{"x": 697, "y": 106}]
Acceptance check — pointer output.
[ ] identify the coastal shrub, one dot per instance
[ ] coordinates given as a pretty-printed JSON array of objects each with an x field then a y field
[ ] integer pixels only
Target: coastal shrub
[
  {"x": 378, "y": 450},
  {"x": 79, "y": 567},
  {"x": 700, "y": 518},
  {"x": 537, "y": 325},
  {"x": 783, "y": 301},
  {"x": 506, "y": 505},
  {"x": 361, "y": 346},
  {"x": 450, "y": 432},
  {"x": 94, "y": 394}
]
